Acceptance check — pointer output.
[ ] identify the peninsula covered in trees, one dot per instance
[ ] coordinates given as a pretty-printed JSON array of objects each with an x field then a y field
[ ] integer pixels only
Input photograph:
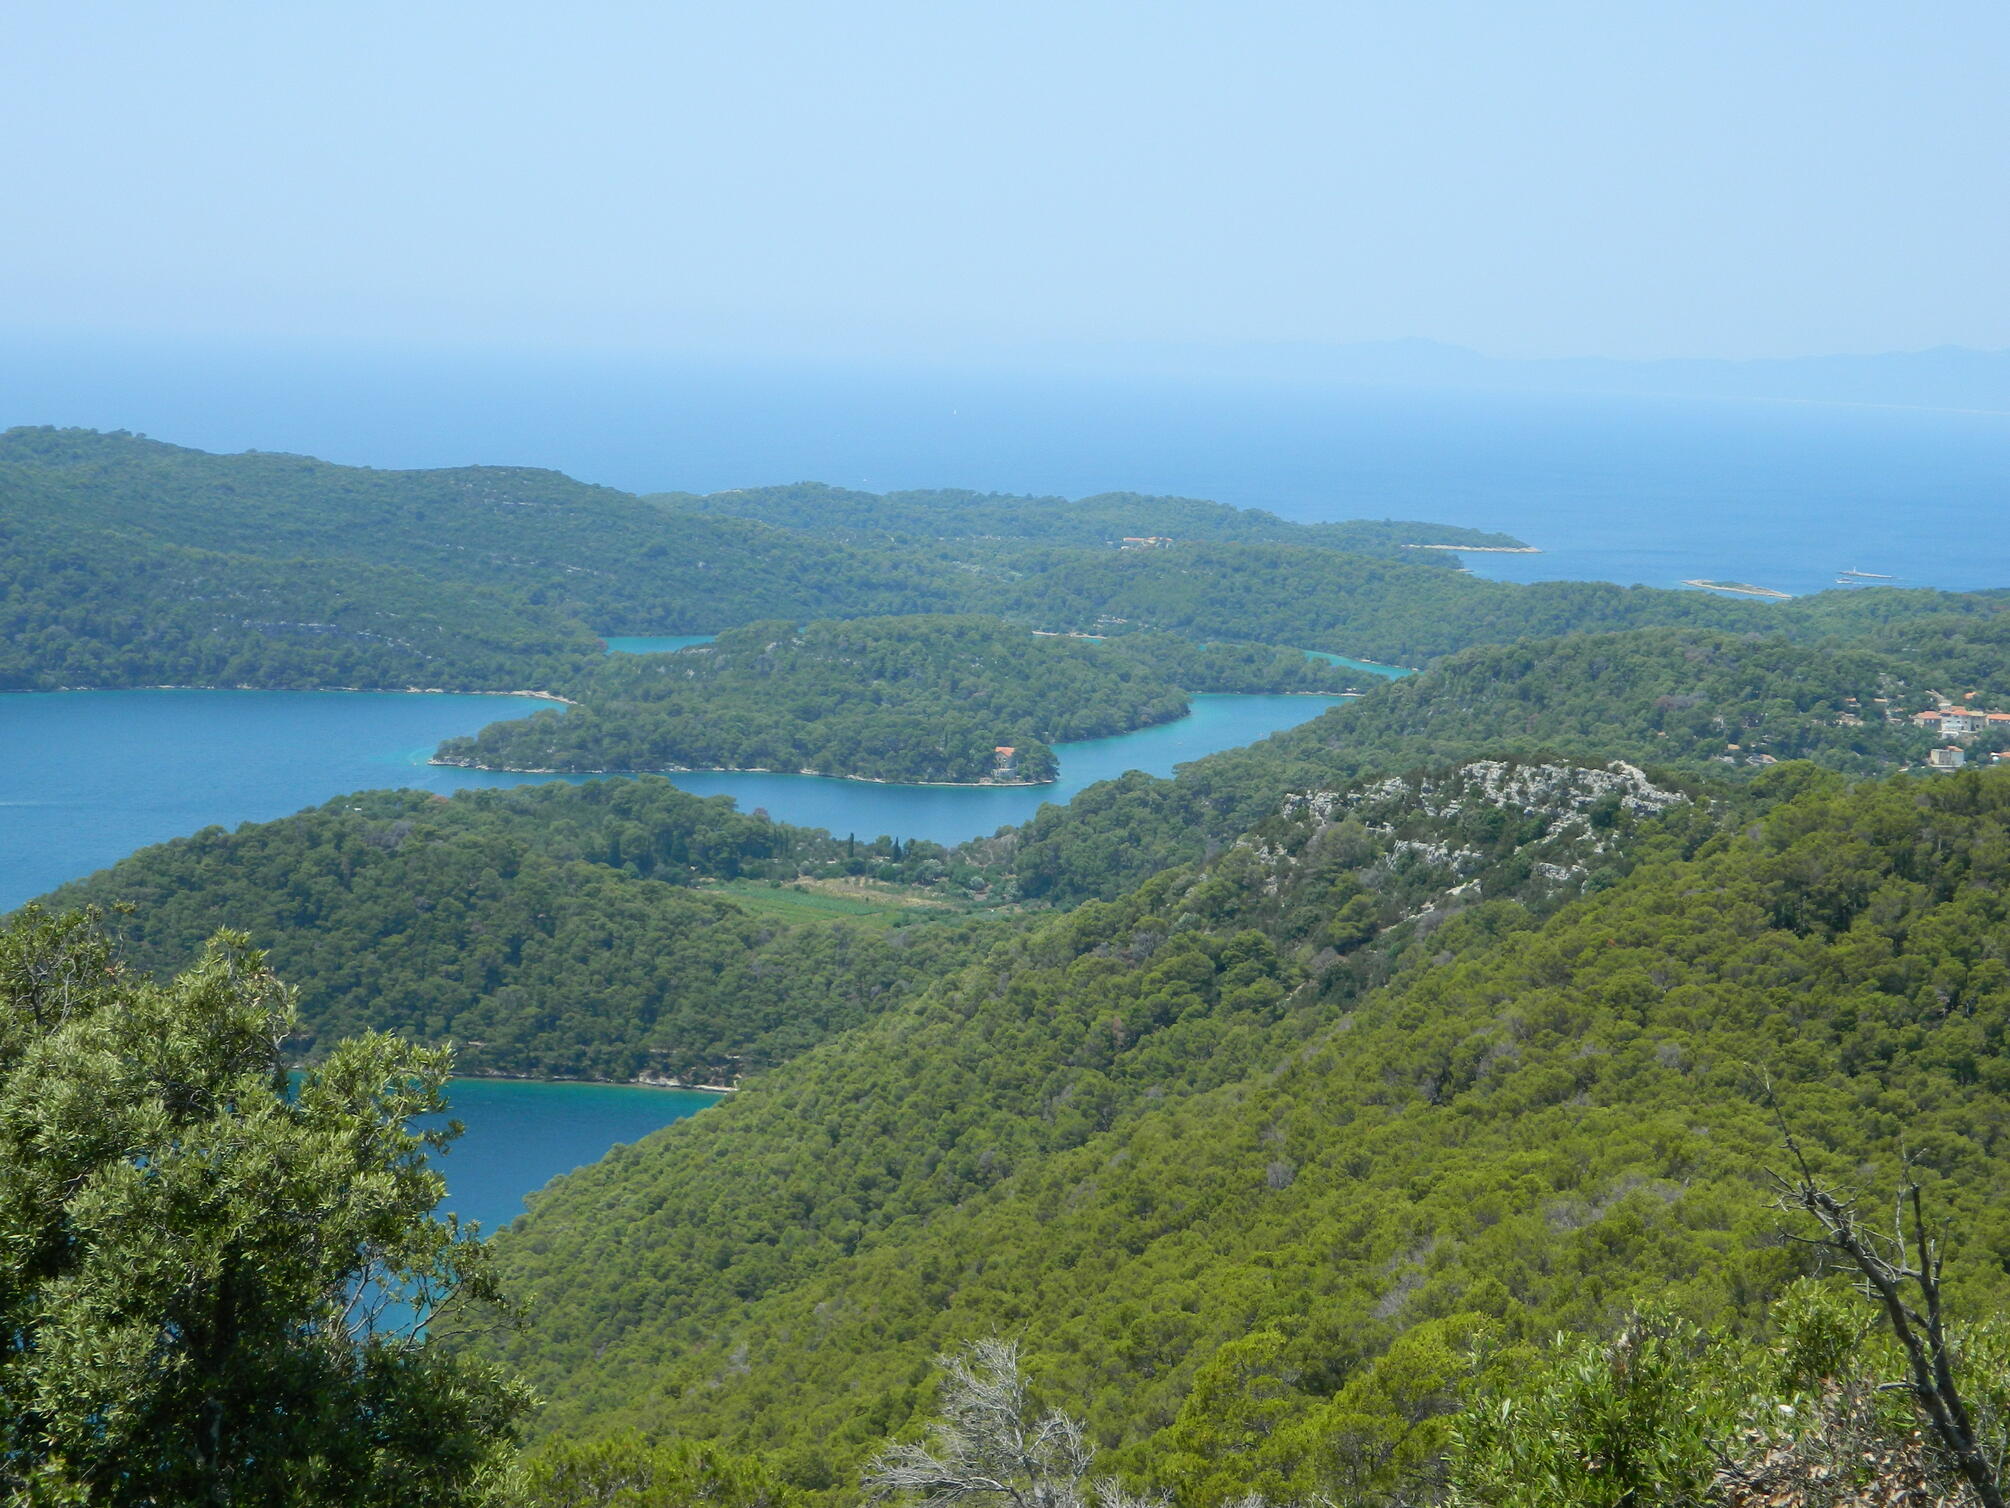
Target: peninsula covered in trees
[
  {"x": 611, "y": 930},
  {"x": 127, "y": 562},
  {"x": 1116, "y": 518},
  {"x": 85, "y": 608}
]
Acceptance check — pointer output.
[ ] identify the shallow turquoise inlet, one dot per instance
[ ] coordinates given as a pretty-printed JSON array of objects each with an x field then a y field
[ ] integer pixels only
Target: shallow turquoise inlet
[
  {"x": 660, "y": 644},
  {"x": 521, "y": 1134}
]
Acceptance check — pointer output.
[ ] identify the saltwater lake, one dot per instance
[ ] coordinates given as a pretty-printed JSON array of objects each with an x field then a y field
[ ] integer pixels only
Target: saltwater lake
[{"x": 88, "y": 776}]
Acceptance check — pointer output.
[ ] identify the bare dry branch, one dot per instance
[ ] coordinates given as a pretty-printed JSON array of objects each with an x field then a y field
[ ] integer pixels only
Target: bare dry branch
[
  {"x": 1887, "y": 1269},
  {"x": 988, "y": 1445}
]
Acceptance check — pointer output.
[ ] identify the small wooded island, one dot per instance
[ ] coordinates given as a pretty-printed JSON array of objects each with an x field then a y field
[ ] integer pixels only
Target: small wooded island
[{"x": 933, "y": 698}]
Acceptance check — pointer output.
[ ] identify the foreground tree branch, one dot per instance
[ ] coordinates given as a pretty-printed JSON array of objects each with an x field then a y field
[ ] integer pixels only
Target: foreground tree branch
[
  {"x": 206, "y": 1261},
  {"x": 989, "y": 1444},
  {"x": 1890, "y": 1270}
]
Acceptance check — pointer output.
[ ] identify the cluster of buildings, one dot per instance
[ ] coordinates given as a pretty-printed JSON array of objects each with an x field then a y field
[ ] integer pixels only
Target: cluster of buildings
[{"x": 1959, "y": 723}]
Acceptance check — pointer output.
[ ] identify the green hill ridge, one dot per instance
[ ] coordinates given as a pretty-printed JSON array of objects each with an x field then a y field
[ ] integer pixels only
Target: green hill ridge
[
  {"x": 1699, "y": 702},
  {"x": 1148, "y": 1130},
  {"x": 950, "y": 514},
  {"x": 307, "y": 574}
]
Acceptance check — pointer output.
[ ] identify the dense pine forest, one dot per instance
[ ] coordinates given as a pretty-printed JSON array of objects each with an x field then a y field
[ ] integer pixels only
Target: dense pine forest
[
  {"x": 1493, "y": 1090},
  {"x": 611, "y": 930},
  {"x": 89, "y": 608},
  {"x": 1484, "y": 1053}
]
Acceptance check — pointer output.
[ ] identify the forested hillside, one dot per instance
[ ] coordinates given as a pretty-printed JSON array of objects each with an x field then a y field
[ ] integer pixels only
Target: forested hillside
[
  {"x": 928, "y": 698},
  {"x": 85, "y": 608},
  {"x": 549, "y": 930},
  {"x": 968, "y": 517},
  {"x": 433, "y": 557},
  {"x": 307, "y": 573},
  {"x": 1358, "y": 1079},
  {"x": 1700, "y": 702},
  {"x": 1407, "y": 614},
  {"x": 593, "y": 553}
]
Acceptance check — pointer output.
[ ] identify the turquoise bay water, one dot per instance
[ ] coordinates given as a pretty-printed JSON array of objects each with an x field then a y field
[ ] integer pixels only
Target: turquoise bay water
[
  {"x": 86, "y": 777},
  {"x": 950, "y": 814},
  {"x": 1366, "y": 667},
  {"x": 659, "y": 644},
  {"x": 522, "y": 1135}
]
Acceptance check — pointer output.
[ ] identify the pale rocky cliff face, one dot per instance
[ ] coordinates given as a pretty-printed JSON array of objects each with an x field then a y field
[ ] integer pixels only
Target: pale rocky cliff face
[
  {"x": 1558, "y": 791},
  {"x": 1347, "y": 880},
  {"x": 1560, "y": 819}
]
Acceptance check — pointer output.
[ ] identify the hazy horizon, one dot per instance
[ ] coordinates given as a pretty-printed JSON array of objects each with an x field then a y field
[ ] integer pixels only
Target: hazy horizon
[
  {"x": 909, "y": 183},
  {"x": 1624, "y": 278}
]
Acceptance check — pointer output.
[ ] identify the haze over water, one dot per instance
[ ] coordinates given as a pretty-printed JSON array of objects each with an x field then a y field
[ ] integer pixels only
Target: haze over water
[{"x": 1612, "y": 488}]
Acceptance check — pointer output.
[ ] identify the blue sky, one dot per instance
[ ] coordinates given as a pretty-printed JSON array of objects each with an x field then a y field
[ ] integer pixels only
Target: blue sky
[{"x": 1624, "y": 179}]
